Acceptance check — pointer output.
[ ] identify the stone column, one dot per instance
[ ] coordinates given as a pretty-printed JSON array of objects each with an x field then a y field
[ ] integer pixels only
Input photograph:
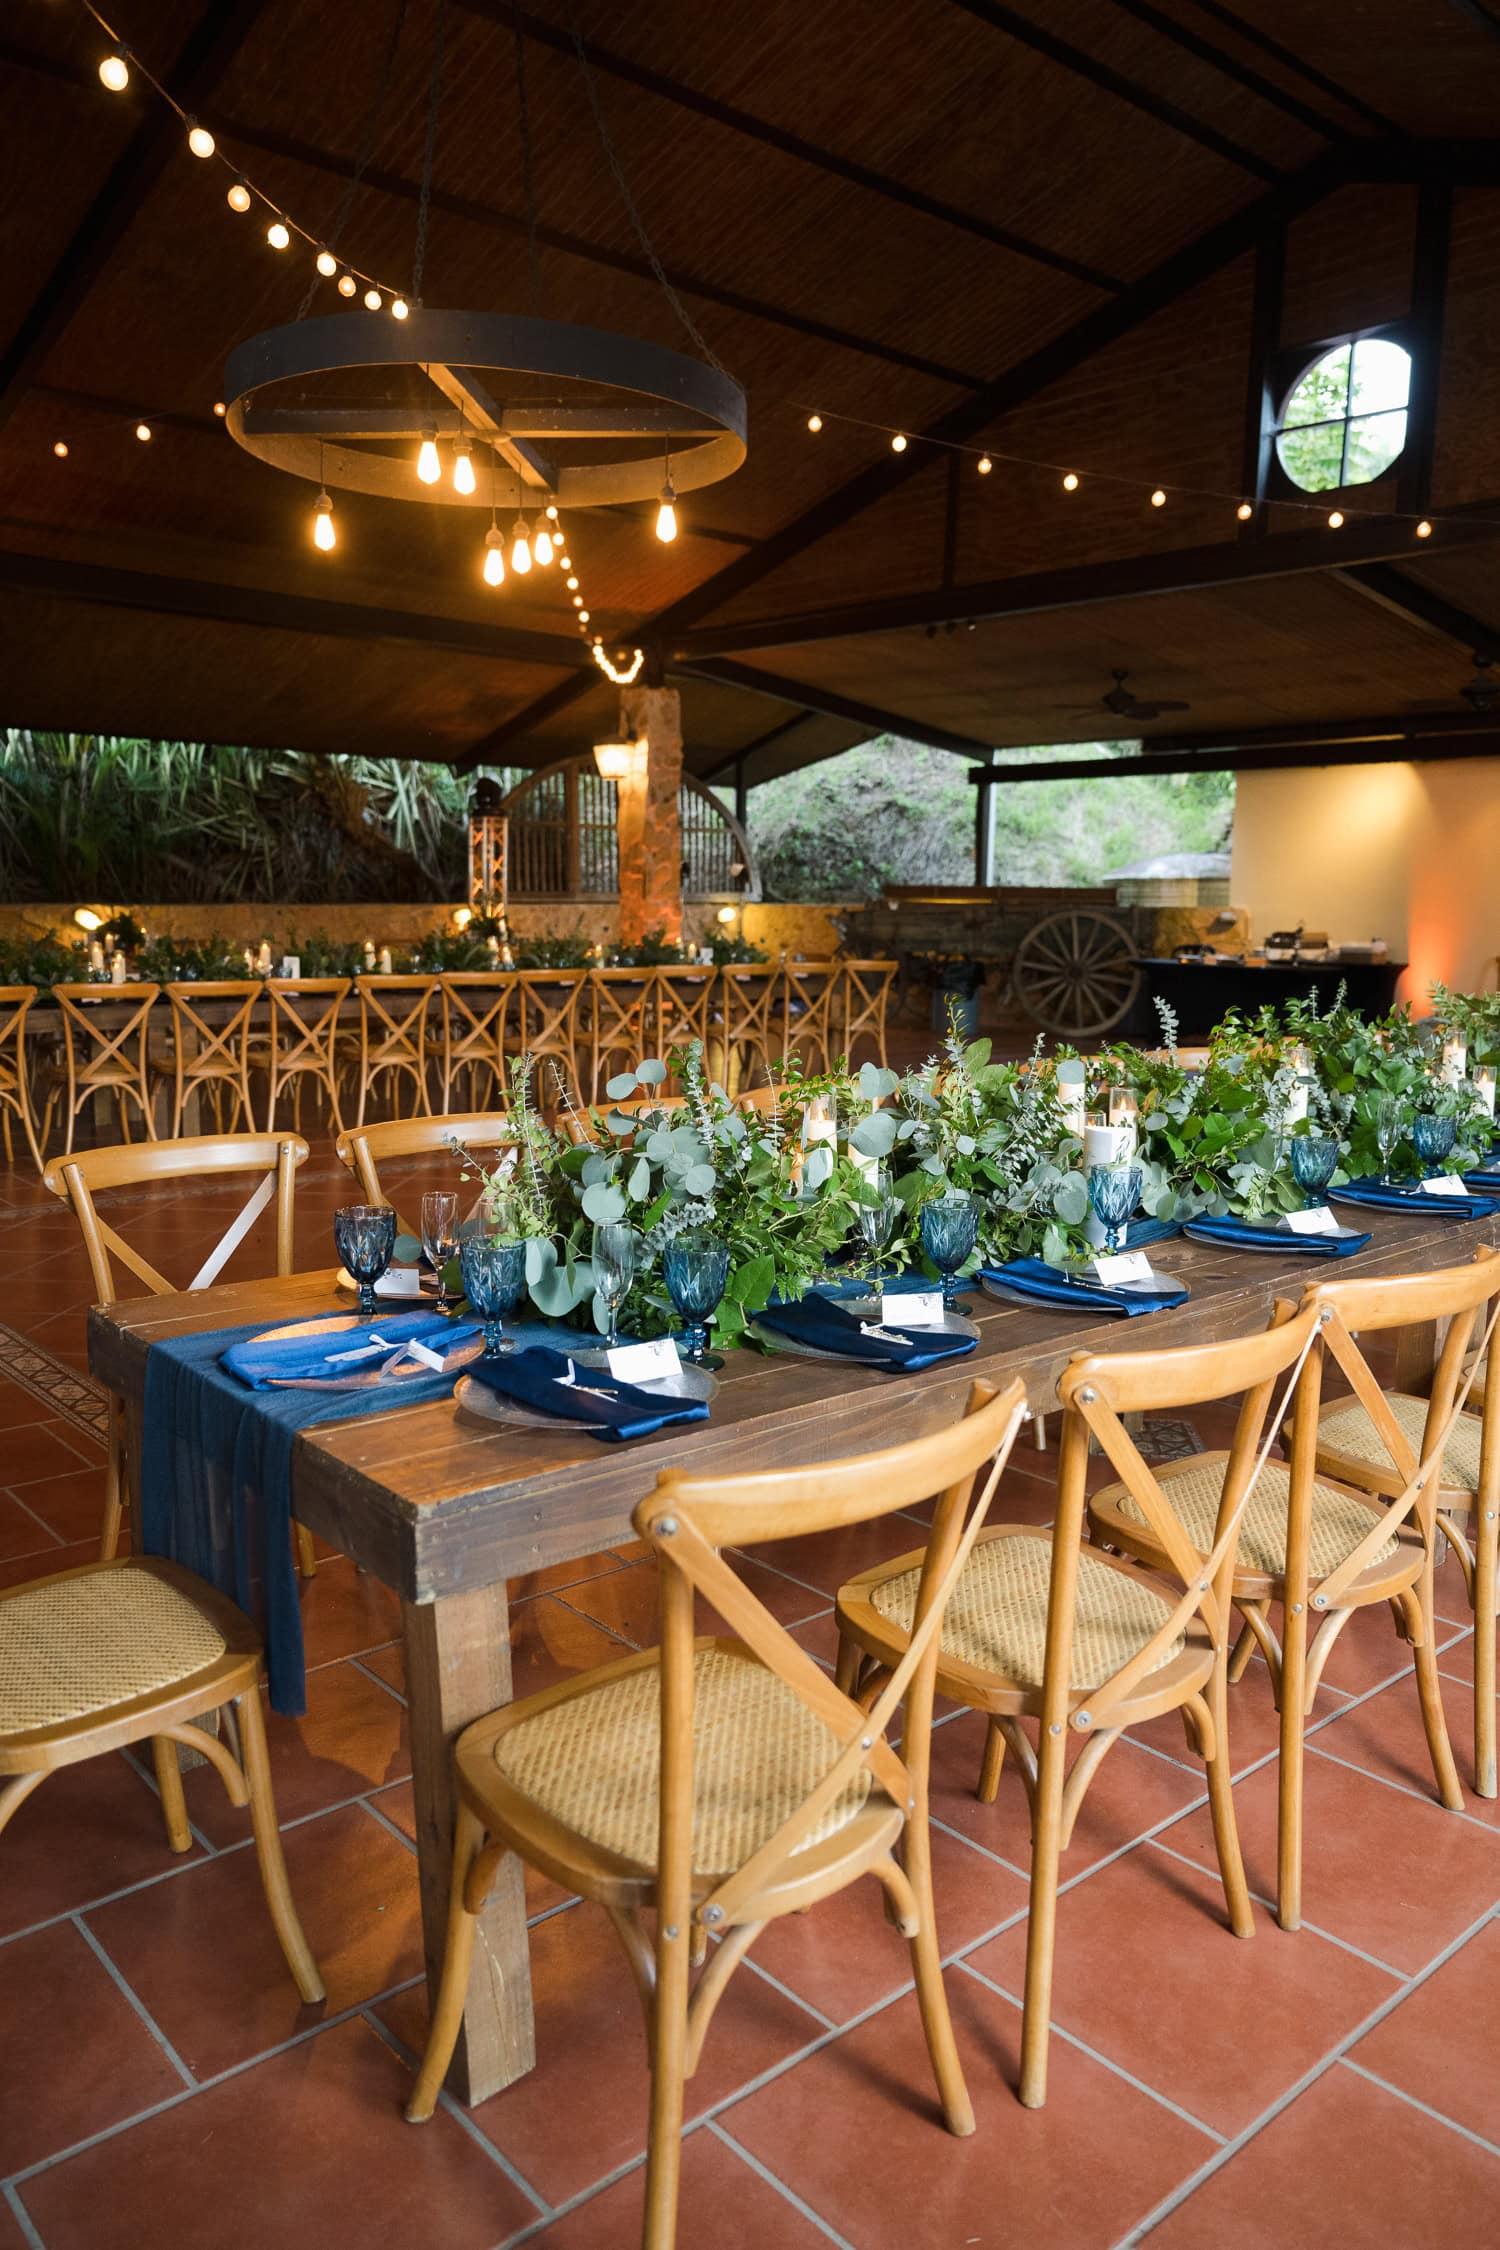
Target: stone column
[{"x": 650, "y": 832}]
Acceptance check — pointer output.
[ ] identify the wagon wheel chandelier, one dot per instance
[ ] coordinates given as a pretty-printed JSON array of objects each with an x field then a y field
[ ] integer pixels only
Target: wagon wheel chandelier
[{"x": 540, "y": 415}]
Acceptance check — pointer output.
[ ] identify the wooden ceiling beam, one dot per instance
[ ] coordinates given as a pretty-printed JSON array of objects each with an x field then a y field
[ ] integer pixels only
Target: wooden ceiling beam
[
  {"x": 490, "y": 749},
  {"x": 1392, "y": 590},
  {"x": 1253, "y": 36},
  {"x": 205, "y": 55},
  {"x": 1477, "y": 12},
  {"x": 1248, "y": 80},
  {"x": 1481, "y": 739},
  {"x": 828, "y": 704},
  {"x": 761, "y": 130},
  {"x": 1364, "y": 733}
]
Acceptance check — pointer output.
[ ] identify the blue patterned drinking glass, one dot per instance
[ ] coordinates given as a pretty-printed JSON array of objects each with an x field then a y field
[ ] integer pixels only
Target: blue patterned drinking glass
[
  {"x": 365, "y": 1237},
  {"x": 696, "y": 1265},
  {"x": 1433, "y": 1139},
  {"x": 494, "y": 1276},
  {"x": 1114, "y": 1192},
  {"x": 950, "y": 1228},
  {"x": 1314, "y": 1162}
]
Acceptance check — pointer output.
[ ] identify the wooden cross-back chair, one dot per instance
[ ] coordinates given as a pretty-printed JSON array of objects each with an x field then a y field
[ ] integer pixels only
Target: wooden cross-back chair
[
  {"x": 476, "y": 1036},
  {"x": 362, "y": 1149},
  {"x": 547, "y": 1010},
  {"x": 619, "y": 1008},
  {"x": 94, "y": 1659},
  {"x": 682, "y": 1005},
  {"x": 76, "y": 1179},
  {"x": 810, "y": 1006},
  {"x": 15, "y": 1080},
  {"x": 751, "y": 997},
  {"x": 393, "y": 1035},
  {"x": 303, "y": 1041},
  {"x": 721, "y": 1783},
  {"x": 213, "y": 1058},
  {"x": 865, "y": 991},
  {"x": 103, "y": 1057},
  {"x": 1042, "y": 1628}
]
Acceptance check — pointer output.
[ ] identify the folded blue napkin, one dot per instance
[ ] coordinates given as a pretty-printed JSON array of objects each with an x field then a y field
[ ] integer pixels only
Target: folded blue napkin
[
  {"x": 1235, "y": 1233},
  {"x": 1485, "y": 1179},
  {"x": 263, "y": 1361},
  {"x": 1049, "y": 1285},
  {"x": 821, "y": 1321},
  {"x": 530, "y": 1378},
  {"x": 1376, "y": 1196}
]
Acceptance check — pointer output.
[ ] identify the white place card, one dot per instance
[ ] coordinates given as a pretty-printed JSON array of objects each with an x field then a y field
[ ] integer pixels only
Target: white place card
[
  {"x": 1318, "y": 1220},
  {"x": 1446, "y": 1183},
  {"x": 427, "y": 1356},
  {"x": 645, "y": 1363},
  {"x": 291, "y": 964},
  {"x": 913, "y": 1308},
  {"x": 400, "y": 1281},
  {"x": 1124, "y": 1265}
]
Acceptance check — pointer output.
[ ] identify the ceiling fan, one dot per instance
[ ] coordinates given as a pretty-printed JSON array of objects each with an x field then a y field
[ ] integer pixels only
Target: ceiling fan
[
  {"x": 1126, "y": 705},
  {"x": 1482, "y": 693}
]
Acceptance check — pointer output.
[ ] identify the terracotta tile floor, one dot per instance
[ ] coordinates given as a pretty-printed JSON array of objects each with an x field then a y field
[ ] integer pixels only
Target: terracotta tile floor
[{"x": 159, "y": 2081}]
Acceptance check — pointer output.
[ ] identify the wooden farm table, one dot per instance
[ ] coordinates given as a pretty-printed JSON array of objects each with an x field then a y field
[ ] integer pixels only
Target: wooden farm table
[{"x": 445, "y": 1507}]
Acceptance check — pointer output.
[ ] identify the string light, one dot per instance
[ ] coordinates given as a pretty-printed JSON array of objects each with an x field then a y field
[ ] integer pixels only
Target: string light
[
  {"x": 220, "y": 409},
  {"x": 347, "y": 285},
  {"x": 494, "y": 556},
  {"x": 1424, "y": 529},
  {"x": 114, "y": 71},
  {"x": 1244, "y": 511},
  {"x": 463, "y": 466},
  {"x": 520, "y": 550},
  {"x": 583, "y": 617},
  {"x": 985, "y": 464},
  {"x": 327, "y": 264},
  {"x": 1158, "y": 498},
  {"x": 61, "y": 449},
  {"x": 278, "y": 235},
  {"x": 572, "y": 582},
  {"x": 200, "y": 139},
  {"x": 1070, "y": 481},
  {"x": 1336, "y": 520},
  {"x": 815, "y": 423},
  {"x": 143, "y": 432},
  {"x": 621, "y": 676},
  {"x": 373, "y": 300},
  {"x": 429, "y": 467},
  {"x": 898, "y": 442},
  {"x": 238, "y": 197},
  {"x": 399, "y": 308}
]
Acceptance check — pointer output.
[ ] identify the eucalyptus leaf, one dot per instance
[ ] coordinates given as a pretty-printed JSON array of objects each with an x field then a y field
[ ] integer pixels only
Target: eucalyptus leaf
[
  {"x": 700, "y": 1179},
  {"x": 603, "y": 1202},
  {"x": 875, "y": 1135},
  {"x": 651, "y": 1073},
  {"x": 407, "y": 1252},
  {"x": 639, "y": 1183},
  {"x": 621, "y": 1086}
]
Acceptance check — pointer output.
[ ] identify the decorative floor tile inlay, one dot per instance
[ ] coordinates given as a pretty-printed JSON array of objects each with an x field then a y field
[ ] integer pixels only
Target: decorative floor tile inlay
[
  {"x": 1159, "y": 1438},
  {"x": 77, "y": 1398}
]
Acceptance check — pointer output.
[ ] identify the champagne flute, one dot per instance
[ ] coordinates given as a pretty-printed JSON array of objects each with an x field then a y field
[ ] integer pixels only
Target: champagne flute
[
  {"x": 878, "y": 1209},
  {"x": 440, "y": 1236},
  {"x": 615, "y": 1244},
  {"x": 1390, "y": 1124}
]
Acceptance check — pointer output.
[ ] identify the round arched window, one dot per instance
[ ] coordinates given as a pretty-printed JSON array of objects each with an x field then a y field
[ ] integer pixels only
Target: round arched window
[{"x": 1344, "y": 419}]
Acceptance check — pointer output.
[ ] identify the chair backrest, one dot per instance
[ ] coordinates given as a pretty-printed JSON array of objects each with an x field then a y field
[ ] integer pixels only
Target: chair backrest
[
  {"x": 393, "y": 1017},
  {"x": 102, "y": 1051},
  {"x": 548, "y": 1003},
  {"x": 304, "y": 1022},
  {"x": 681, "y": 1002},
  {"x": 865, "y": 995},
  {"x": 809, "y": 992},
  {"x": 79, "y": 1177},
  {"x": 364, "y": 1148},
  {"x": 476, "y": 1015},
  {"x": 15, "y": 1000},
  {"x": 203, "y": 1050},
  {"x": 619, "y": 1010},
  {"x": 689, "y": 1520},
  {"x": 1097, "y": 1391}
]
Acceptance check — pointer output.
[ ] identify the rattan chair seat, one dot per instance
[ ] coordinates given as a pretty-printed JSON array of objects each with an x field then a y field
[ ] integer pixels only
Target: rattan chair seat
[
  {"x": 1345, "y": 1428},
  {"x": 593, "y": 1762},
  {"x": 73, "y": 1646},
  {"x": 997, "y": 1615},
  {"x": 1339, "y": 1520}
]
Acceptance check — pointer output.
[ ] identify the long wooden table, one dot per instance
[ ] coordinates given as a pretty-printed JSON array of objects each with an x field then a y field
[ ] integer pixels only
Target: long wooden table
[{"x": 446, "y": 1508}]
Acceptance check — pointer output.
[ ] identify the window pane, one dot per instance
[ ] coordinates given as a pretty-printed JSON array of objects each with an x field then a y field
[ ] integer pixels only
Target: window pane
[
  {"x": 1313, "y": 458},
  {"x": 1322, "y": 394},
  {"x": 1382, "y": 377},
  {"x": 1373, "y": 445}
]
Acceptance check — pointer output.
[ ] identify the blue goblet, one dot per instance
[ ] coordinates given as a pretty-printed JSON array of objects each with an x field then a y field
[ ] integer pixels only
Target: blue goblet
[
  {"x": 494, "y": 1276},
  {"x": 1314, "y": 1162},
  {"x": 365, "y": 1237},
  {"x": 1433, "y": 1138},
  {"x": 1114, "y": 1192},
  {"x": 950, "y": 1227},
  {"x": 696, "y": 1266}
]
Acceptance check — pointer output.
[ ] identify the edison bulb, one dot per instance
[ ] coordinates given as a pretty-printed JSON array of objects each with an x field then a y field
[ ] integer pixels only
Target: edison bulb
[
  {"x": 327, "y": 264},
  {"x": 373, "y": 300},
  {"x": 1244, "y": 511},
  {"x": 200, "y": 140},
  {"x": 520, "y": 550},
  {"x": 1070, "y": 482},
  {"x": 985, "y": 464},
  {"x": 463, "y": 467},
  {"x": 347, "y": 285},
  {"x": 1424, "y": 529},
  {"x": 666, "y": 514},
  {"x": 399, "y": 308},
  {"x": 541, "y": 546},
  {"x": 429, "y": 467},
  {"x": 1335, "y": 520},
  {"x": 1158, "y": 498},
  {"x": 143, "y": 432},
  {"x": 494, "y": 557},
  {"x": 278, "y": 235},
  {"x": 815, "y": 423},
  {"x": 898, "y": 443},
  {"x": 238, "y": 197},
  {"x": 114, "y": 72},
  {"x": 324, "y": 535}
]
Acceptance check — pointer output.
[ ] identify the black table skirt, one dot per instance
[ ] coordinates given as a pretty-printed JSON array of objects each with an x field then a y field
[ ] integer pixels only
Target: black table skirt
[{"x": 1202, "y": 993}]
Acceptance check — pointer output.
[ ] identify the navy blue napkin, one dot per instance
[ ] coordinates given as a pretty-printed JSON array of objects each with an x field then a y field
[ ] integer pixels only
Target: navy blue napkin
[
  {"x": 1376, "y": 1196},
  {"x": 1234, "y": 1233},
  {"x": 822, "y": 1322},
  {"x": 530, "y": 1378},
  {"x": 263, "y": 1361},
  {"x": 1049, "y": 1285}
]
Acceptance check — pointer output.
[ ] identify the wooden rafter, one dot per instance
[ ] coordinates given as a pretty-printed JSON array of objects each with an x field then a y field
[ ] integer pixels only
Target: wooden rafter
[
  {"x": 1254, "y": 36},
  {"x": 1249, "y": 80},
  {"x": 1392, "y": 590},
  {"x": 830, "y": 705}
]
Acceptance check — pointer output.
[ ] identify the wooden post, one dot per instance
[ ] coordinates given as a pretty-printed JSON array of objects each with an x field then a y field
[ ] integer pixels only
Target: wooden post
[{"x": 650, "y": 830}]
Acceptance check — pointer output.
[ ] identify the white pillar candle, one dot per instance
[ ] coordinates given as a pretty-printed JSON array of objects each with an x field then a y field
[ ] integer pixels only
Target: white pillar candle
[
  {"x": 117, "y": 969},
  {"x": 1484, "y": 1086},
  {"x": 385, "y": 960},
  {"x": 1455, "y": 1062},
  {"x": 1108, "y": 1144},
  {"x": 1072, "y": 1096},
  {"x": 96, "y": 958}
]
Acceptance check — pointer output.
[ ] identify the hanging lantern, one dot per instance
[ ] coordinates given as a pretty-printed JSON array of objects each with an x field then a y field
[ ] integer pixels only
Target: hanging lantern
[
  {"x": 624, "y": 760},
  {"x": 488, "y": 826}
]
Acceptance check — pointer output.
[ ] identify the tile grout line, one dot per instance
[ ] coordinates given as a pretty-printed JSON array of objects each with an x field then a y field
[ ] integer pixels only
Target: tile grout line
[
  {"x": 806, "y": 2210},
  {"x": 457, "y": 2111},
  {"x": 204, "y": 1843},
  {"x": 1418, "y": 1796},
  {"x": 1261, "y": 1898},
  {"x": 136, "y": 2002},
  {"x": 1413, "y": 2101},
  {"x": 23, "y": 2219}
]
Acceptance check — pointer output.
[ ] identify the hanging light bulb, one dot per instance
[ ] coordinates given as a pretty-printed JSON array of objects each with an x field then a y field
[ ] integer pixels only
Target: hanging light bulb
[
  {"x": 572, "y": 582},
  {"x": 114, "y": 71},
  {"x": 200, "y": 139},
  {"x": 1158, "y": 498},
  {"x": 61, "y": 449},
  {"x": 985, "y": 464},
  {"x": 583, "y": 617},
  {"x": 278, "y": 234},
  {"x": 429, "y": 467},
  {"x": 324, "y": 535},
  {"x": 143, "y": 432},
  {"x": 373, "y": 300},
  {"x": 1244, "y": 511},
  {"x": 666, "y": 514},
  {"x": 815, "y": 423},
  {"x": 1336, "y": 520},
  {"x": 238, "y": 197},
  {"x": 541, "y": 546},
  {"x": 494, "y": 556},
  {"x": 898, "y": 442},
  {"x": 399, "y": 308},
  {"x": 463, "y": 466},
  {"x": 1424, "y": 529},
  {"x": 220, "y": 408},
  {"x": 1070, "y": 482},
  {"x": 520, "y": 549},
  {"x": 565, "y": 562},
  {"x": 551, "y": 511},
  {"x": 347, "y": 285},
  {"x": 327, "y": 264}
]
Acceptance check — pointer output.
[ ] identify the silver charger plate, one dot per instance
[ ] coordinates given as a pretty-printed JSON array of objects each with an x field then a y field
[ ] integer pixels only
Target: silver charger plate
[
  {"x": 367, "y": 1377},
  {"x": 1149, "y": 1285},
  {"x": 1278, "y": 1240},
  {"x": 689, "y": 1382},
  {"x": 862, "y": 1308}
]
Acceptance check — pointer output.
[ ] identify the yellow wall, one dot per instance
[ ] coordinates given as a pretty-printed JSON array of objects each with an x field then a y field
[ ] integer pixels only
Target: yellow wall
[{"x": 1409, "y": 853}]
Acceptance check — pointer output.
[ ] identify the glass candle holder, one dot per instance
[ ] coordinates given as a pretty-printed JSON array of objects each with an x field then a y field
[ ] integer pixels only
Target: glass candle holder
[
  {"x": 950, "y": 1227},
  {"x": 1314, "y": 1162},
  {"x": 1114, "y": 1192},
  {"x": 495, "y": 1284},
  {"x": 365, "y": 1237},
  {"x": 696, "y": 1267},
  {"x": 1433, "y": 1138}
]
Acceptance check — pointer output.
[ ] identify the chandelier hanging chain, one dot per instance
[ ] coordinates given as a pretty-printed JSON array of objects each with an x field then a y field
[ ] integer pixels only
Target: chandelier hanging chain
[
  {"x": 528, "y": 168},
  {"x": 429, "y": 152},
  {"x": 364, "y": 149},
  {"x": 648, "y": 247}
]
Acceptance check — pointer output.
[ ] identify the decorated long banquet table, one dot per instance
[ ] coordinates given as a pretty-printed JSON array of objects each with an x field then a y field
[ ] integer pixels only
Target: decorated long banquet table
[{"x": 446, "y": 1507}]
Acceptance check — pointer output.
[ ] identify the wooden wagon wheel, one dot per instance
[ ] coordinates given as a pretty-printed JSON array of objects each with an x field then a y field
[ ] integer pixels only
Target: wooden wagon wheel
[{"x": 1075, "y": 974}]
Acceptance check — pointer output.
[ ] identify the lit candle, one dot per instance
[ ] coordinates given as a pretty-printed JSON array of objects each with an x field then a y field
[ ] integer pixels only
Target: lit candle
[
  {"x": 1455, "y": 1062},
  {"x": 385, "y": 960},
  {"x": 492, "y": 946},
  {"x": 369, "y": 955},
  {"x": 818, "y": 1122},
  {"x": 1484, "y": 1086},
  {"x": 96, "y": 958},
  {"x": 117, "y": 969},
  {"x": 263, "y": 958}
]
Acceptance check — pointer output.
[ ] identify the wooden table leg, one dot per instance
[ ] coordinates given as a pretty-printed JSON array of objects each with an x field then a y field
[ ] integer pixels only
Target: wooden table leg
[
  {"x": 457, "y": 1668},
  {"x": 1417, "y": 1349}
]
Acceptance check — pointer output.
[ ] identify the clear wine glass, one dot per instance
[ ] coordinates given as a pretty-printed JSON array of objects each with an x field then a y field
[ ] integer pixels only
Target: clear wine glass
[
  {"x": 1114, "y": 1192},
  {"x": 365, "y": 1236},
  {"x": 1390, "y": 1127},
  {"x": 440, "y": 1236},
  {"x": 878, "y": 1210},
  {"x": 696, "y": 1266},
  {"x": 495, "y": 1284},
  {"x": 949, "y": 1227},
  {"x": 615, "y": 1243}
]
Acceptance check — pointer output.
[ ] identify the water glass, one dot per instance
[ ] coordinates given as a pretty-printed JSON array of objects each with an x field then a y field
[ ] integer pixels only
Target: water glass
[
  {"x": 365, "y": 1237},
  {"x": 950, "y": 1227},
  {"x": 1114, "y": 1192},
  {"x": 1434, "y": 1138},
  {"x": 1390, "y": 1126},
  {"x": 696, "y": 1265},
  {"x": 440, "y": 1236},
  {"x": 1314, "y": 1162},
  {"x": 495, "y": 1284},
  {"x": 878, "y": 1212},
  {"x": 614, "y": 1269}
]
